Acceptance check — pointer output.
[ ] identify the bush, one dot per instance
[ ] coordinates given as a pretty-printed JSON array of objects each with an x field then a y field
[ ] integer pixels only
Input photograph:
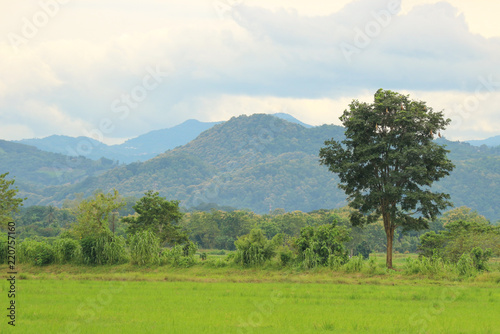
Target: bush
[
  {"x": 4, "y": 249},
  {"x": 285, "y": 256},
  {"x": 179, "y": 255},
  {"x": 103, "y": 249},
  {"x": 480, "y": 258},
  {"x": 465, "y": 266},
  {"x": 322, "y": 241},
  {"x": 334, "y": 262},
  {"x": 35, "y": 252},
  {"x": 355, "y": 264},
  {"x": 67, "y": 250},
  {"x": 144, "y": 248},
  {"x": 255, "y": 249}
]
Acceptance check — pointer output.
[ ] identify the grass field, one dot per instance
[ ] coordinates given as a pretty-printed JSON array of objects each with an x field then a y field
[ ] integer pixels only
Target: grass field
[
  {"x": 69, "y": 306},
  {"x": 203, "y": 299}
]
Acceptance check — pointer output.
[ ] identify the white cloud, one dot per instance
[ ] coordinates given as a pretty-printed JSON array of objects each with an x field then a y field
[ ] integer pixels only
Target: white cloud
[{"x": 275, "y": 55}]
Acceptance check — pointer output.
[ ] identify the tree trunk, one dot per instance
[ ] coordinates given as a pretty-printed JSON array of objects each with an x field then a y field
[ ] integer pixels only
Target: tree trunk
[
  {"x": 388, "y": 258},
  {"x": 389, "y": 232}
]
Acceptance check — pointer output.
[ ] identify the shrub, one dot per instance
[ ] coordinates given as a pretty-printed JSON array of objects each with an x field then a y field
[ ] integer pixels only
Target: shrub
[
  {"x": 480, "y": 258},
  {"x": 334, "y": 262},
  {"x": 115, "y": 251},
  {"x": 323, "y": 241},
  {"x": 4, "y": 249},
  {"x": 67, "y": 250},
  {"x": 35, "y": 252},
  {"x": 144, "y": 248},
  {"x": 176, "y": 256},
  {"x": 285, "y": 256},
  {"x": 103, "y": 249},
  {"x": 355, "y": 264},
  {"x": 465, "y": 266},
  {"x": 255, "y": 249}
]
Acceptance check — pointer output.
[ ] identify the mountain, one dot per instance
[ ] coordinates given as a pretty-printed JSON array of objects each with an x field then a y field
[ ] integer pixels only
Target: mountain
[
  {"x": 291, "y": 119},
  {"x": 141, "y": 148},
  {"x": 155, "y": 142},
  {"x": 37, "y": 171},
  {"x": 492, "y": 141},
  {"x": 261, "y": 162}
]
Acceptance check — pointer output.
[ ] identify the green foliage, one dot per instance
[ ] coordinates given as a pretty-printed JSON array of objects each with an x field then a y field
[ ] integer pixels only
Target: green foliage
[
  {"x": 465, "y": 266},
  {"x": 255, "y": 248},
  {"x": 34, "y": 252},
  {"x": 316, "y": 245},
  {"x": 177, "y": 256},
  {"x": 4, "y": 249},
  {"x": 144, "y": 248},
  {"x": 103, "y": 249},
  {"x": 8, "y": 201},
  {"x": 431, "y": 242},
  {"x": 67, "y": 250},
  {"x": 36, "y": 171},
  {"x": 93, "y": 215},
  {"x": 460, "y": 237},
  {"x": 335, "y": 262},
  {"x": 157, "y": 214},
  {"x": 480, "y": 258},
  {"x": 425, "y": 265},
  {"x": 355, "y": 264},
  {"x": 388, "y": 161},
  {"x": 285, "y": 256}
]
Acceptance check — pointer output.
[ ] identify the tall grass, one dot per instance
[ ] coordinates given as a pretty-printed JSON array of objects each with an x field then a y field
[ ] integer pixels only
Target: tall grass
[{"x": 144, "y": 248}]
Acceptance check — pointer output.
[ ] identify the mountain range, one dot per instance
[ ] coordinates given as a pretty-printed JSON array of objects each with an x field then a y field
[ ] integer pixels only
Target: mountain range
[
  {"x": 141, "y": 148},
  {"x": 259, "y": 162}
]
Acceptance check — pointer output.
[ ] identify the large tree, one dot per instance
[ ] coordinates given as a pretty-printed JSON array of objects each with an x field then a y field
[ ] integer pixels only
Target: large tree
[
  {"x": 388, "y": 162},
  {"x": 155, "y": 213},
  {"x": 8, "y": 201},
  {"x": 93, "y": 214}
]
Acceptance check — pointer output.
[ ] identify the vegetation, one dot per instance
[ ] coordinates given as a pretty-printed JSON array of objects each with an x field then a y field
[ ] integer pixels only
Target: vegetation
[
  {"x": 8, "y": 201},
  {"x": 156, "y": 214},
  {"x": 249, "y": 162},
  {"x": 93, "y": 216},
  {"x": 66, "y": 305},
  {"x": 388, "y": 162},
  {"x": 255, "y": 249}
]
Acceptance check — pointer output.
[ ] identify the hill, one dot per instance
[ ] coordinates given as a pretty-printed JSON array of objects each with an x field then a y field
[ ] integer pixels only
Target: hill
[
  {"x": 36, "y": 171},
  {"x": 492, "y": 141},
  {"x": 140, "y": 148},
  {"x": 261, "y": 162}
]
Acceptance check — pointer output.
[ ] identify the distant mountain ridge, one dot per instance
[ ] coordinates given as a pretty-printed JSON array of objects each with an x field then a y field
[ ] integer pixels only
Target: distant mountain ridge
[
  {"x": 141, "y": 148},
  {"x": 260, "y": 161},
  {"x": 492, "y": 141}
]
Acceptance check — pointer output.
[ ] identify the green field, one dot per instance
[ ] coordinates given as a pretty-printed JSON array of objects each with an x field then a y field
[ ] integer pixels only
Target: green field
[{"x": 64, "y": 302}]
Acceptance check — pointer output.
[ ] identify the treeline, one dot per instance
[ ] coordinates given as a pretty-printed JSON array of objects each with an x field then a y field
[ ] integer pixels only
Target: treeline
[{"x": 105, "y": 229}]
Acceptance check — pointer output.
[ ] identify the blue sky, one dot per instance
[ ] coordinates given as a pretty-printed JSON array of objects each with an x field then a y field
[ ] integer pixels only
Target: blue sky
[{"x": 114, "y": 69}]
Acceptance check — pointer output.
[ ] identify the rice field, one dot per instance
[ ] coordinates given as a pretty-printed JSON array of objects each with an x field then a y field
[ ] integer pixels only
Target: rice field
[{"x": 94, "y": 306}]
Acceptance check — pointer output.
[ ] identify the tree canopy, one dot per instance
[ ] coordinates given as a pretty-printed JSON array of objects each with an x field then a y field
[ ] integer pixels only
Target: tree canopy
[
  {"x": 157, "y": 214},
  {"x": 8, "y": 201},
  {"x": 93, "y": 214},
  {"x": 388, "y": 162}
]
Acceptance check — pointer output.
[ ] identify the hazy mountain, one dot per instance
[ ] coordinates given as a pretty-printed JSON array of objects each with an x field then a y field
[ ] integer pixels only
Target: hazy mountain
[
  {"x": 291, "y": 119},
  {"x": 140, "y": 148},
  {"x": 492, "y": 141},
  {"x": 261, "y": 162},
  {"x": 35, "y": 171}
]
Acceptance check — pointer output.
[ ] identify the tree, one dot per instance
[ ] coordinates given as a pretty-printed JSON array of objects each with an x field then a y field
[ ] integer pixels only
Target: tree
[
  {"x": 93, "y": 215},
  {"x": 160, "y": 216},
  {"x": 8, "y": 202},
  {"x": 388, "y": 162}
]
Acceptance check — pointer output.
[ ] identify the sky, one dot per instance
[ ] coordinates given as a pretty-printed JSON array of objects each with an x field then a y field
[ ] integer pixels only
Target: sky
[{"x": 116, "y": 69}]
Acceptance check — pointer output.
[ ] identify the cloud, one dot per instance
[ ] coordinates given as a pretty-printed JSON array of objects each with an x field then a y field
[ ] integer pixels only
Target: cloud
[{"x": 285, "y": 55}]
